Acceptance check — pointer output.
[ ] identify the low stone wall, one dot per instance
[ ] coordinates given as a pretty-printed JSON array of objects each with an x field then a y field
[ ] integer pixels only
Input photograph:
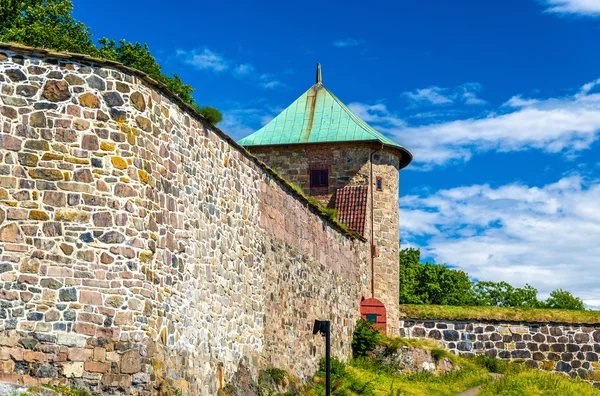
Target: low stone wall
[
  {"x": 142, "y": 249},
  {"x": 572, "y": 349}
]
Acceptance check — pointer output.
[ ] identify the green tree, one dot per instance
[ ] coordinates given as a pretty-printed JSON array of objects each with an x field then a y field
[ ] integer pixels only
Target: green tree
[
  {"x": 10, "y": 10},
  {"x": 562, "y": 299},
  {"x": 502, "y": 294},
  {"x": 432, "y": 283},
  {"x": 47, "y": 23},
  {"x": 50, "y": 24}
]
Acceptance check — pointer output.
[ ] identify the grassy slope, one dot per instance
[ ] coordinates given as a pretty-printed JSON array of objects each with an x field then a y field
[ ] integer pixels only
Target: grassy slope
[
  {"x": 538, "y": 383},
  {"x": 498, "y": 313},
  {"x": 364, "y": 376},
  {"x": 384, "y": 383}
]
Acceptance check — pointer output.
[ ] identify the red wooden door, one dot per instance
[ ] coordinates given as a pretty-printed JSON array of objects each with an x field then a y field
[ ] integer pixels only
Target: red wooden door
[{"x": 373, "y": 310}]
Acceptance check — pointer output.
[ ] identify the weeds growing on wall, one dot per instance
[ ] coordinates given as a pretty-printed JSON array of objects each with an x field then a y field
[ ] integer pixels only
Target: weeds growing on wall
[{"x": 55, "y": 390}]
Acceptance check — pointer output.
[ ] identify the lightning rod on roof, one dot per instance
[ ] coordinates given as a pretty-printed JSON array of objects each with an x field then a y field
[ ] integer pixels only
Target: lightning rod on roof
[{"x": 319, "y": 77}]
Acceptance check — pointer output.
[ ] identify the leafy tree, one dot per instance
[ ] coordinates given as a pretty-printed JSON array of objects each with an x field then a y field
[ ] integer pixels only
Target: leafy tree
[
  {"x": 502, "y": 294},
  {"x": 50, "y": 24},
  {"x": 440, "y": 285},
  {"x": 11, "y": 9},
  {"x": 562, "y": 299},
  {"x": 46, "y": 23},
  {"x": 431, "y": 283}
]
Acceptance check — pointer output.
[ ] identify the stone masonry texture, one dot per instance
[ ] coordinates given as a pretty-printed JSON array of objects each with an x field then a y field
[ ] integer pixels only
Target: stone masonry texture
[
  {"x": 350, "y": 164},
  {"x": 141, "y": 249},
  {"x": 571, "y": 349}
]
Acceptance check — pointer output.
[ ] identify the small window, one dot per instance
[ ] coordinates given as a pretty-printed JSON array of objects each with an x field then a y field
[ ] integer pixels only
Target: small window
[
  {"x": 319, "y": 178},
  {"x": 372, "y": 318},
  {"x": 379, "y": 184}
]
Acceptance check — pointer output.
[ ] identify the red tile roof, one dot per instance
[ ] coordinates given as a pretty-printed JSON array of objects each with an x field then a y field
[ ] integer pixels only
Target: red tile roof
[{"x": 351, "y": 204}]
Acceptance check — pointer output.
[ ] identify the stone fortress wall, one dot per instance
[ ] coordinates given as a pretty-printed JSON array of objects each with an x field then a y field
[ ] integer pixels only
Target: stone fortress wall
[
  {"x": 349, "y": 164},
  {"x": 572, "y": 349},
  {"x": 140, "y": 247}
]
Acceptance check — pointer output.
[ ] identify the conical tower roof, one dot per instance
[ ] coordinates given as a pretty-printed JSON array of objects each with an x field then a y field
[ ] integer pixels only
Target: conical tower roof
[{"x": 318, "y": 116}]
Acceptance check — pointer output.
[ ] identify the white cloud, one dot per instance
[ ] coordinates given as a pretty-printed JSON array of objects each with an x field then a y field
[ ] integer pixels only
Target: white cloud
[
  {"x": 243, "y": 70},
  {"x": 377, "y": 114},
  {"x": 268, "y": 81},
  {"x": 580, "y": 7},
  {"x": 468, "y": 93},
  {"x": 239, "y": 123},
  {"x": 465, "y": 93},
  {"x": 545, "y": 236},
  {"x": 204, "y": 59},
  {"x": 347, "y": 42},
  {"x": 518, "y": 101},
  {"x": 431, "y": 95},
  {"x": 564, "y": 125}
]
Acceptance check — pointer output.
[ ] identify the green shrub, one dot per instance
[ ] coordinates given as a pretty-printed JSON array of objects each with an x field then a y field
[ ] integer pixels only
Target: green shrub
[
  {"x": 338, "y": 368},
  {"x": 365, "y": 338},
  {"x": 210, "y": 113}
]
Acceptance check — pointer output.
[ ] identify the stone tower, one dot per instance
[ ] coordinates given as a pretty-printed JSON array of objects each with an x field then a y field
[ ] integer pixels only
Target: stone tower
[{"x": 325, "y": 148}]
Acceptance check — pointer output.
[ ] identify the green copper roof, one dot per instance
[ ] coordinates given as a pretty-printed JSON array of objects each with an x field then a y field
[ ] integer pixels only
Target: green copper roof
[{"x": 319, "y": 117}]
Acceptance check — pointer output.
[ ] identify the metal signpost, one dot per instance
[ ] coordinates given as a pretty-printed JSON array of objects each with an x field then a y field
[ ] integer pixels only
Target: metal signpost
[{"x": 323, "y": 327}]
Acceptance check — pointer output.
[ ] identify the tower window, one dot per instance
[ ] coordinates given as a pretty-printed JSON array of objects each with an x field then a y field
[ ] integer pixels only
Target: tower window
[
  {"x": 379, "y": 184},
  {"x": 319, "y": 178}
]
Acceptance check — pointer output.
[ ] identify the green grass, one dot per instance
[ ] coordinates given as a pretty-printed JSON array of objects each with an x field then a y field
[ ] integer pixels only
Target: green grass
[
  {"x": 538, "y": 383},
  {"x": 442, "y": 312},
  {"x": 499, "y": 366},
  {"x": 368, "y": 376},
  {"x": 363, "y": 376}
]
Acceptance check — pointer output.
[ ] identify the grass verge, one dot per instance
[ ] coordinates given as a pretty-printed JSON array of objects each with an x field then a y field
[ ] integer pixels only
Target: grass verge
[
  {"x": 363, "y": 376},
  {"x": 443, "y": 312},
  {"x": 538, "y": 383},
  {"x": 367, "y": 376}
]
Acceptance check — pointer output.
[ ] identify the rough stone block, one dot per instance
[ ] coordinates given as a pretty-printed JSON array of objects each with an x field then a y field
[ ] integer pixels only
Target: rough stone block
[{"x": 96, "y": 367}]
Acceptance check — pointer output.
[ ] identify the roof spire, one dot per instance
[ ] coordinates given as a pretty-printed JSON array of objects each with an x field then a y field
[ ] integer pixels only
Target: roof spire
[{"x": 319, "y": 77}]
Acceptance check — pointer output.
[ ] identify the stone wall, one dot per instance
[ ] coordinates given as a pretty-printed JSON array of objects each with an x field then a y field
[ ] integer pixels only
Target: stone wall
[
  {"x": 141, "y": 248},
  {"x": 572, "y": 349},
  {"x": 311, "y": 272},
  {"x": 349, "y": 164}
]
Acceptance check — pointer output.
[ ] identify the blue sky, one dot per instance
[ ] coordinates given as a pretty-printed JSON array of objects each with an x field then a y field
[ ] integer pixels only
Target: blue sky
[{"x": 499, "y": 101}]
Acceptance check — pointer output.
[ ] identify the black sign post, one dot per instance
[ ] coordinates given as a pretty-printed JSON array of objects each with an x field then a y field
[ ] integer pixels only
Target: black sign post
[{"x": 323, "y": 327}]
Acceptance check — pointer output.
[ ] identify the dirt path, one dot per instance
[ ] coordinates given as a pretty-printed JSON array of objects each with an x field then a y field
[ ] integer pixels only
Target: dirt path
[{"x": 474, "y": 391}]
